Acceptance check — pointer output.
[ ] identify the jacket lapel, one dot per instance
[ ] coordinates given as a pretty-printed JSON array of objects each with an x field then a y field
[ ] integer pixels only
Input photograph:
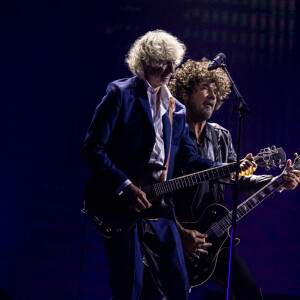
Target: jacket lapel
[{"x": 141, "y": 95}]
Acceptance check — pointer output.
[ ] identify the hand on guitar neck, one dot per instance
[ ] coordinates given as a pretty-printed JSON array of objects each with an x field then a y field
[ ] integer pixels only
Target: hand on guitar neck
[
  {"x": 247, "y": 166},
  {"x": 137, "y": 199},
  {"x": 292, "y": 179}
]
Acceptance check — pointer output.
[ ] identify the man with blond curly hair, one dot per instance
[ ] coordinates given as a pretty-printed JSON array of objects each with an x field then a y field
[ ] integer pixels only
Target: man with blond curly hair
[{"x": 131, "y": 128}]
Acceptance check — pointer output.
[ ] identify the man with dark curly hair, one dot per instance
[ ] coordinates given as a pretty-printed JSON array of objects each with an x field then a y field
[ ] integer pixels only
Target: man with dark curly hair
[{"x": 203, "y": 92}]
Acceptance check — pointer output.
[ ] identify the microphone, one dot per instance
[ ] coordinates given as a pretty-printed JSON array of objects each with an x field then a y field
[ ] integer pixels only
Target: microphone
[{"x": 217, "y": 62}]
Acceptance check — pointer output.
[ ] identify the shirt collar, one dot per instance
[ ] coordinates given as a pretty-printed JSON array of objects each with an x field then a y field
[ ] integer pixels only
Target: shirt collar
[
  {"x": 165, "y": 93},
  {"x": 207, "y": 133},
  {"x": 148, "y": 86}
]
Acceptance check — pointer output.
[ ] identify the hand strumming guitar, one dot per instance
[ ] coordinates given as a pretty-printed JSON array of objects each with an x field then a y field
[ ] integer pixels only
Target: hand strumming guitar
[
  {"x": 193, "y": 242},
  {"x": 137, "y": 199}
]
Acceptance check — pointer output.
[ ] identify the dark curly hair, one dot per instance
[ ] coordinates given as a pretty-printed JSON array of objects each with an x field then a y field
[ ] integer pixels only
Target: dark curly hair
[{"x": 192, "y": 72}]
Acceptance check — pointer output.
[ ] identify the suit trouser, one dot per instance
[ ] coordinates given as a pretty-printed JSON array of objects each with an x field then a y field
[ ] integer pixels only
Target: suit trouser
[{"x": 162, "y": 248}]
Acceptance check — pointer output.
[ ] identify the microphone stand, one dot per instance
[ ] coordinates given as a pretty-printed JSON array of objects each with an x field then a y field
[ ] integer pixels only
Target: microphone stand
[{"x": 242, "y": 108}]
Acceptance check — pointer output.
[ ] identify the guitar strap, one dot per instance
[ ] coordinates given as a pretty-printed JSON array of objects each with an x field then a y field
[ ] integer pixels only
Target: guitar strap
[
  {"x": 215, "y": 143},
  {"x": 214, "y": 188},
  {"x": 171, "y": 109}
]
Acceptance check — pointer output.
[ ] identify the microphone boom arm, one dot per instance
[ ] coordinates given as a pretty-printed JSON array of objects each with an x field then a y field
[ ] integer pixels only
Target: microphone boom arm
[{"x": 243, "y": 107}]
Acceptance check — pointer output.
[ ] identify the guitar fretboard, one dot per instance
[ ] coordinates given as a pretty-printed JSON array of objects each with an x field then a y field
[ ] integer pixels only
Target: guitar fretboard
[
  {"x": 249, "y": 204},
  {"x": 162, "y": 188}
]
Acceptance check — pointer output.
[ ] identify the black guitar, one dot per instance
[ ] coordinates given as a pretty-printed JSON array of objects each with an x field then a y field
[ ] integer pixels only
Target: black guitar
[
  {"x": 216, "y": 223},
  {"x": 112, "y": 216}
]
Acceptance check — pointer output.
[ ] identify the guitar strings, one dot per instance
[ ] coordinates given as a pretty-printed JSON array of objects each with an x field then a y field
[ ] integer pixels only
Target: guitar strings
[{"x": 225, "y": 223}]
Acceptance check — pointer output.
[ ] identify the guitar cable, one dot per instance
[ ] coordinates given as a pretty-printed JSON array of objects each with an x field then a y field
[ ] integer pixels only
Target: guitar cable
[{"x": 83, "y": 211}]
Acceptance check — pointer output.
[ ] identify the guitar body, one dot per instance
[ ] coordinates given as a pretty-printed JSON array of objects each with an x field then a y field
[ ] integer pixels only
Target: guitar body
[
  {"x": 111, "y": 213},
  {"x": 200, "y": 270}
]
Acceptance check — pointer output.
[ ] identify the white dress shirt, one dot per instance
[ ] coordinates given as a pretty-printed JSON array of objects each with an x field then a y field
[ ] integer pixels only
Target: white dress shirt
[{"x": 158, "y": 151}]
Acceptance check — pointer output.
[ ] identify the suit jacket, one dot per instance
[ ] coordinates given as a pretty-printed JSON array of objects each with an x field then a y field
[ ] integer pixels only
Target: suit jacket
[{"x": 121, "y": 136}]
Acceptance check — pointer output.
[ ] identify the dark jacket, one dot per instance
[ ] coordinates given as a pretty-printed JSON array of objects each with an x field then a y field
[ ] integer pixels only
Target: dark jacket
[{"x": 190, "y": 203}]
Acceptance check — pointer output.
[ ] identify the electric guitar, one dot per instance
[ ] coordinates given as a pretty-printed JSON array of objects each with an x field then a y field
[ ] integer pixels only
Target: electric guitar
[
  {"x": 113, "y": 217},
  {"x": 216, "y": 223}
]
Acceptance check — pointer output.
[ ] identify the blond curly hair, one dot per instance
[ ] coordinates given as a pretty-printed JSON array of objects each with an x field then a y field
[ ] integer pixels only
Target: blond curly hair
[
  {"x": 153, "y": 50},
  {"x": 192, "y": 72}
]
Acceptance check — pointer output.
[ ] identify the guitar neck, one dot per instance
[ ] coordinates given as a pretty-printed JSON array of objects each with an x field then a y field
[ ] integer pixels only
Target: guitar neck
[
  {"x": 179, "y": 183},
  {"x": 249, "y": 204},
  {"x": 162, "y": 188}
]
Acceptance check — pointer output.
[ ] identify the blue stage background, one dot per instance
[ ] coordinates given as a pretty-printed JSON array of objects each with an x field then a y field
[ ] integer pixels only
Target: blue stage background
[{"x": 56, "y": 60}]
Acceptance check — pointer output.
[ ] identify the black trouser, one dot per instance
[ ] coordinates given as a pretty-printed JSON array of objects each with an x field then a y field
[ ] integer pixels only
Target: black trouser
[{"x": 244, "y": 287}]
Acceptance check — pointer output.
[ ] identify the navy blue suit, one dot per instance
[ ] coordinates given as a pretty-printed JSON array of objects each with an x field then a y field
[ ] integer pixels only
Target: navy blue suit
[{"x": 120, "y": 140}]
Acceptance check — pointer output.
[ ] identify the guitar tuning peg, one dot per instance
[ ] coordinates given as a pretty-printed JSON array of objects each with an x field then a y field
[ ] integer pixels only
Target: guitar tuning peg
[
  {"x": 296, "y": 155},
  {"x": 274, "y": 149},
  {"x": 280, "y": 164}
]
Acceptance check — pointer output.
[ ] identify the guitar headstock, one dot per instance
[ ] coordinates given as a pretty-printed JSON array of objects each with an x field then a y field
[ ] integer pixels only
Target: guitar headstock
[{"x": 270, "y": 157}]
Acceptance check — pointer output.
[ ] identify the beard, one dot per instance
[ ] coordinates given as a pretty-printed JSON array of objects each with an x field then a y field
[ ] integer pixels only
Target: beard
[{"x": 198, "y": 115}]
